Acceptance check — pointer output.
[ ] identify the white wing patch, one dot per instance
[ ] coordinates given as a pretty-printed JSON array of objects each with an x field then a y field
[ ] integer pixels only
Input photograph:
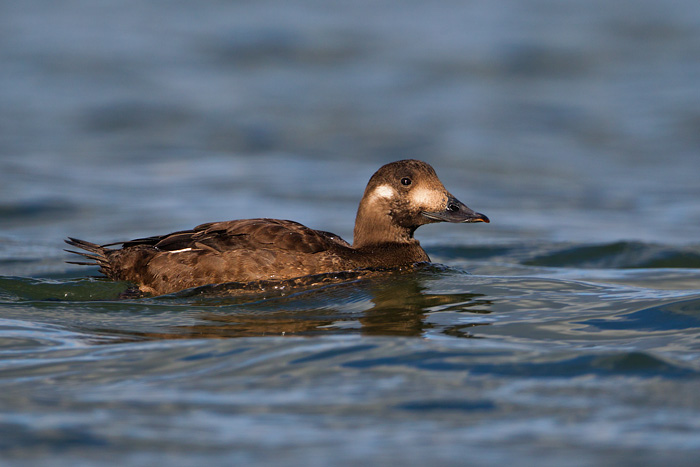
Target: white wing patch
[{"x": 180, "y": 251}]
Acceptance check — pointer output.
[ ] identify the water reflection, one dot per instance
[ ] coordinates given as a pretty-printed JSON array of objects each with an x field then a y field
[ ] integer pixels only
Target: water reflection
[{"x": 394, "y": 305}]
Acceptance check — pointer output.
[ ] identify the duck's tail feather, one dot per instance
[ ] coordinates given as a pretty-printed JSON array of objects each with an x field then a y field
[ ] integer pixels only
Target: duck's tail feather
[{"x": 97, "y": 253}]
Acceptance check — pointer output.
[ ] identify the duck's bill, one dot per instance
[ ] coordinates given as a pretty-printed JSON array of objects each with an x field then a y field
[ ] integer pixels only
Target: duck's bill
[{"x": 456, "y": 211}]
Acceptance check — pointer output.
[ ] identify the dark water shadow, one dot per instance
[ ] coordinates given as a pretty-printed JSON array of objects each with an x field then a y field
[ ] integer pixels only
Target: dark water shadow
[
  {"x": 633, "y": 363},
  {"x": 683, "y": 315}
]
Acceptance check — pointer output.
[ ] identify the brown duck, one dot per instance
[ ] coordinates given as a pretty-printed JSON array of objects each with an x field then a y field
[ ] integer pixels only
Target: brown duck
[{"x": 399, "y": 198}]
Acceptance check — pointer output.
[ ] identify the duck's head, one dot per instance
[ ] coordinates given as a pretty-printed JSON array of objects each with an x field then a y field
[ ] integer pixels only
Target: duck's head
[{"x": 402, "y": 196}]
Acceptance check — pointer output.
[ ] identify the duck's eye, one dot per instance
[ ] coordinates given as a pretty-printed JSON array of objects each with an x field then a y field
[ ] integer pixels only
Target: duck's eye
[{"x": 405, "y": 181}]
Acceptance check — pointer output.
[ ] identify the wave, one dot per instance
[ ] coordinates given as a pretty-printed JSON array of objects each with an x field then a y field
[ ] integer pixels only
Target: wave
[
  {"x": 620, "y": 255},
  {"x": 615, "y": 255}
]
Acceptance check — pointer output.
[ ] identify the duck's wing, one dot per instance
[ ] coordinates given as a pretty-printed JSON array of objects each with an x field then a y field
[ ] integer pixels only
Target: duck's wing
[
  {"x": 168, "y": 242},
  {"x": 245, "y": 234}
]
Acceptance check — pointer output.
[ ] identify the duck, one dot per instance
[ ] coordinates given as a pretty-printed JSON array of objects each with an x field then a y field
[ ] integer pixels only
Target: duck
[{"x": 400, "y": 197}]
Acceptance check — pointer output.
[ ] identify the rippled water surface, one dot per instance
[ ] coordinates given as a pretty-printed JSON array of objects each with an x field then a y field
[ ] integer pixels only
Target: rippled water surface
[{"x": 566, "y": 332}]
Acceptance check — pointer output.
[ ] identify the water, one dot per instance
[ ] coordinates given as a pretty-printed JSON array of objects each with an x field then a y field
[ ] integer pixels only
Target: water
[{"x": 564, "y": 332}]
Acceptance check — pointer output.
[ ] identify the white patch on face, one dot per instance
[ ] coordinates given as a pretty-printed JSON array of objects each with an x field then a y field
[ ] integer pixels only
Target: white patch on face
[
  {"x": 428, "y": 199},
  {"x": 384, "y": 191}
]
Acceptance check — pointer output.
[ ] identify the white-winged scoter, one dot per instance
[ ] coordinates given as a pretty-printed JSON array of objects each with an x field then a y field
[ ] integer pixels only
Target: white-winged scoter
[{"x": 399, "y": 198}]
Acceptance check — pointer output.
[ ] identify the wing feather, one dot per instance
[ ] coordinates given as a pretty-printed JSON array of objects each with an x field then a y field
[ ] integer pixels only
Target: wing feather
[{"x": 250, "y": 234}]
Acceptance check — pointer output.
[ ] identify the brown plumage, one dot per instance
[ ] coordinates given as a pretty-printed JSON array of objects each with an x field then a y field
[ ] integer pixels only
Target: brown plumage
[{"x": 399, "y": 198}]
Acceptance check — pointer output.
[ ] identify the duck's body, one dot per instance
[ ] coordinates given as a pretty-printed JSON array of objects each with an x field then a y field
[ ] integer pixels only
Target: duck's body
[{"x": 399, "y": 198}]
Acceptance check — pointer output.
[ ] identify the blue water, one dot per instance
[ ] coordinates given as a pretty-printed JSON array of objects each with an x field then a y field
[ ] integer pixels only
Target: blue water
[{"x": 566, "y": 332}]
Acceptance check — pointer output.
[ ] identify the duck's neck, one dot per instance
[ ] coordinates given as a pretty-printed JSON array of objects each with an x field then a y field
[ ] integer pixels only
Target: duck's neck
[{"x": 374, "y": 227}]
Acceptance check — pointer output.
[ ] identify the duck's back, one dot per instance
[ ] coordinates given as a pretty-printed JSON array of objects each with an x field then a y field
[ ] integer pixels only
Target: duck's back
[{"x": 233, "y": 251}]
